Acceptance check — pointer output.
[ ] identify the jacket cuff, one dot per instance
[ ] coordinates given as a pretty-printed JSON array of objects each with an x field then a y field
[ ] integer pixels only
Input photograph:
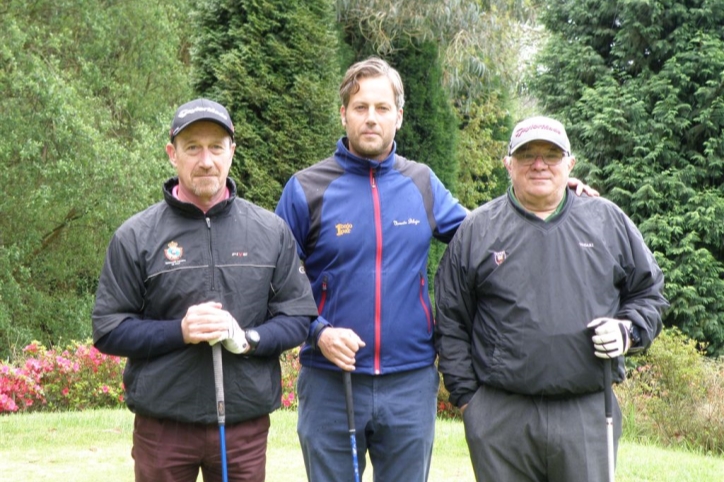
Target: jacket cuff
[
  {"x": 464, "y": 399},
  {"x": 315, "y": 329}
]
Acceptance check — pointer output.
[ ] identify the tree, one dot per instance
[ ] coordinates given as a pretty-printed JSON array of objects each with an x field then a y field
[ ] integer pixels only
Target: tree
[
  {"x": 639, "y": 86},
  {"x": 478, "y": 47},
  {"x": 80, "y": 148},
  {"x": 273, "y": 63}
]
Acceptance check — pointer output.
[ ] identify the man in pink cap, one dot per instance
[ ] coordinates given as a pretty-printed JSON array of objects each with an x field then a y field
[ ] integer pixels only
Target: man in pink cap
[{"x": 536, "y": 291}]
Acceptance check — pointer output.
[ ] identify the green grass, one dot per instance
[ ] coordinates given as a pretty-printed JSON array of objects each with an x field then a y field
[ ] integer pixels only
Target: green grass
[{"x": 96, "y": 445}]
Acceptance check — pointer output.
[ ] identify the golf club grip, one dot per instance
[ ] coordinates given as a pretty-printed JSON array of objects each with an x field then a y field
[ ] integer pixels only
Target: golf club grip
[
  {"x": 608, "y": 387},
  {"x": 219, "y": 383},
  {"x": 348, "y": 398}
]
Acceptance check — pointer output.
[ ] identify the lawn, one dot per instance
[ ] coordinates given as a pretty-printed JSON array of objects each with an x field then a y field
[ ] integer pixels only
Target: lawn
[{"x": 95, "y": 445}]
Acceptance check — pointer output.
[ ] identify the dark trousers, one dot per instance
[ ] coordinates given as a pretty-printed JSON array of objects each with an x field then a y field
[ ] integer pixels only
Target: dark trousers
[
  {"x": 526, "y": 438},
  {"x": 170, "y": 451},
  {"x": 394, "y": 417}
]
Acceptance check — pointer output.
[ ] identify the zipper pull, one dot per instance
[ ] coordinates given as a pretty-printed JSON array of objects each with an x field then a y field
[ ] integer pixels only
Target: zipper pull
[{"x": 208, "y": 223}]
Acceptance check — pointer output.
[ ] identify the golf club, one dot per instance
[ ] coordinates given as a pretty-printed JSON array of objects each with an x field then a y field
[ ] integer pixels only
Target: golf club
[
  {"x": 608, "y": 396},
  {"x": 220, "y": 410},
  {"x": 350, "y": 421}
]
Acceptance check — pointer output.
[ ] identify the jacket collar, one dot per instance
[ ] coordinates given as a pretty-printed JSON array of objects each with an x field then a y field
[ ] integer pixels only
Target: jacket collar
[
  {"x": 190, "y": 209},
  {"x": 362, "y": 165}
]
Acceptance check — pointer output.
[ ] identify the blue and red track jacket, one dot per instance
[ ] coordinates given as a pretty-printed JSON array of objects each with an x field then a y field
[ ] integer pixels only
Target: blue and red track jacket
[{"x": 363, "y": 229}]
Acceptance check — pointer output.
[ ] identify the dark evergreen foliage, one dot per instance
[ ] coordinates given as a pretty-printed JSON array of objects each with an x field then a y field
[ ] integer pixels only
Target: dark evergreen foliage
[
  {"x": 639, "y": 86},
  {"x": 428, "y": 133},
  {"x": 274, "y": 64}
]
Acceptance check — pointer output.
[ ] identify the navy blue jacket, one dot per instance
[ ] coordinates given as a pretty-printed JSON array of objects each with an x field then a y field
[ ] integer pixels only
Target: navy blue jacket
[{"x": 363, "y": 229}]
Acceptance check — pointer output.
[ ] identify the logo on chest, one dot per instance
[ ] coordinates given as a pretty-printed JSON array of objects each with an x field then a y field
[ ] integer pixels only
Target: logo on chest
[
  {"x": 343, "y": 229},
  {"x": 406, "y": 222},
  {"x": 173, "y": 253},
  {"x": 499, "y": 257}
]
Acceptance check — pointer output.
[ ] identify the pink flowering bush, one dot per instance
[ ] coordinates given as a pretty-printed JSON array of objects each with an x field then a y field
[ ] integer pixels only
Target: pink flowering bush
[
  {"x": 74, "y": 378},
  {"x": 290, "y": 371},
  {"x": 79, "y": 377}
]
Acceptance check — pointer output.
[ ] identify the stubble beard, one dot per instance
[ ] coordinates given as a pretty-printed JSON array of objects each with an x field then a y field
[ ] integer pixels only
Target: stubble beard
[
  {"x": 371, "y": 150},
  {"x": 206, "y": 188}
]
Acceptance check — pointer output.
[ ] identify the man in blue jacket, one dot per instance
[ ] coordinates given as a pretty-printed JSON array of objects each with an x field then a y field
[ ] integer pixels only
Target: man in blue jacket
[{"x": 363, "y": 220}]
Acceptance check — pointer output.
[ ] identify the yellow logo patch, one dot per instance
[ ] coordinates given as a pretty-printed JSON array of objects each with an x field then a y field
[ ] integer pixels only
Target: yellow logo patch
[{"x": 343, "y": 228}]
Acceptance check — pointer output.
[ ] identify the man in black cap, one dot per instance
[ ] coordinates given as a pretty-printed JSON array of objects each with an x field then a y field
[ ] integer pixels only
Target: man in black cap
[{"x": 198, "y": 268}]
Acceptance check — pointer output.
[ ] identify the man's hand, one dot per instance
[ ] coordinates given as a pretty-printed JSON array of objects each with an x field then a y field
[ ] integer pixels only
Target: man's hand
[
  {"x": 235, "y": 338},
  {"x": 339, "y": 345},
  {"x": 580, "y": 187},
  {"x": 208, "y": 322},
  {"x": 611, "y": 337}
]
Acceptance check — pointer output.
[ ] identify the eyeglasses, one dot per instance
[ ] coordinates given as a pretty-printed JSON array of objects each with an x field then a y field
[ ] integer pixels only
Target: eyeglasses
[{"x": 550, "y": 158}]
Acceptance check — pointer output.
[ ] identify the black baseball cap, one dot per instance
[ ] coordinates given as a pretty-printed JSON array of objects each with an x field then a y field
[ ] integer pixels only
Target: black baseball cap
[{"x": 200, "y": 109}]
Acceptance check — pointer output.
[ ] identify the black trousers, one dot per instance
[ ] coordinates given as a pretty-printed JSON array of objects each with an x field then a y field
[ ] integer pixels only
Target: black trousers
[{"x": 525, "y": 438}]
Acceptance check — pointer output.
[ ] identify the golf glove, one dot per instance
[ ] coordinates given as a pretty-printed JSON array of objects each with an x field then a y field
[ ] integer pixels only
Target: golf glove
[
  {"x": 611, "y": 337},
  {"x": 234, "y": 340}
]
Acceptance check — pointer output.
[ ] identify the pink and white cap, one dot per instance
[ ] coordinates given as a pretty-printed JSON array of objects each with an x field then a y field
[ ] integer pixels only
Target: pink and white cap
[{"x": 539, "y": 128}]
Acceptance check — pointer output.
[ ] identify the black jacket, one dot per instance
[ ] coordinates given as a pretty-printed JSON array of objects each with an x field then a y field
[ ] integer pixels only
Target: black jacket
[
  {"x": 514, "y": 294},
  {"x": 172, "y": 256}
]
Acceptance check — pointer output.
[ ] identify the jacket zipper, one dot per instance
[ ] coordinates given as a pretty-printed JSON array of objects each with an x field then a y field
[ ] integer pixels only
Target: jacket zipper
[
  {"x": 323, "y": 298},
  {"x": 424, "y": 305},
  {"x": 211, "y": 256},
  {"x": 378, "y": 270}
]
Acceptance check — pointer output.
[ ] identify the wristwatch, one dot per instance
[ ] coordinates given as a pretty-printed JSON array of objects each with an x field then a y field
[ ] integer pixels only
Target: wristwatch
[
  {"x": 252, "y": 338},
  {"x": 634, "y": 334}
]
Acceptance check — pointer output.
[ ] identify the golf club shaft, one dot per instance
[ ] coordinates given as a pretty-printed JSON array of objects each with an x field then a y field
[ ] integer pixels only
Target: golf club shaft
[
  {"x": 347, "y": 376},
  {"x": 608, "y": 395},
  {"x": 220, "y": 409}
]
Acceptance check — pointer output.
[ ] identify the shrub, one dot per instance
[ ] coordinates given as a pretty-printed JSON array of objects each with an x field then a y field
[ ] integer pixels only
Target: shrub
[
  {"x": 75, "y": 378},
  {"x": 674, "y": 395},
  {"x": 290, "y": 371},
  {"x": 80, "y": 377}
]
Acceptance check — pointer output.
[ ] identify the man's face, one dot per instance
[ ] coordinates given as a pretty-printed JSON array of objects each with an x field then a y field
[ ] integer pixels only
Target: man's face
[
  {"x": 202, "y": 157},
  {"x": 371, "y": 118},
  {"x": 539, "y": 172}
]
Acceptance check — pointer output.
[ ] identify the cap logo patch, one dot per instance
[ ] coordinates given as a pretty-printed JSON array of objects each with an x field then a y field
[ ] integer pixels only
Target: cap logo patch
[
  {"x": 211, "y": 110},
  {"x": 523, "y": 130}
]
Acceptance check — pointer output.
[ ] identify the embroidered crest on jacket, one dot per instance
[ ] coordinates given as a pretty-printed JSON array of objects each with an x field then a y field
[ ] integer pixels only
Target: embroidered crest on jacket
[
  {"x": 499, "y": 257},
  {"x": 343, "y": 228}
]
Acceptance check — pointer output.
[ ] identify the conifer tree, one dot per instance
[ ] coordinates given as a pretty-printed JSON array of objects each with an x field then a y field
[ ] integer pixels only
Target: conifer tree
[
  {"x": 639, "y": 86},
  {"x": 274, "y": 65}
]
